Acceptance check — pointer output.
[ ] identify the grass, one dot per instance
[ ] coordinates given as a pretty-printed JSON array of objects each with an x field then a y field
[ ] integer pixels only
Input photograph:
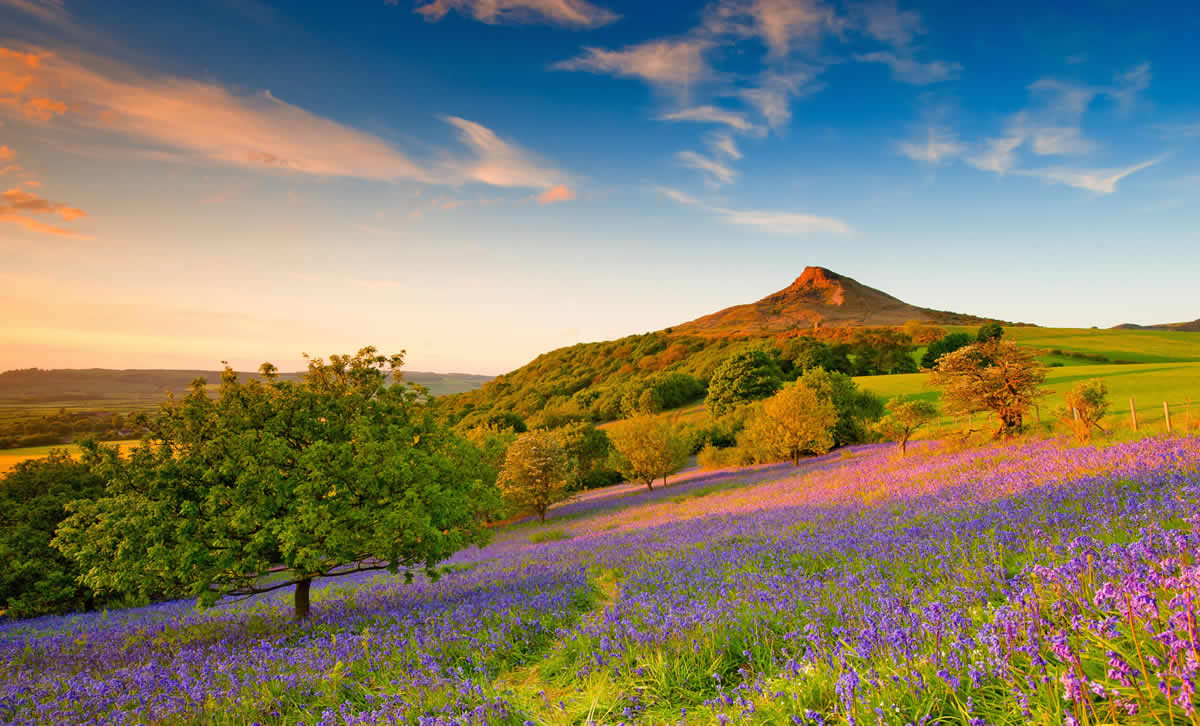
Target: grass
[
  {"x": 1143, "y": 346},
  {"x": 9, "y": 458},
  {"x": 1148, "y": 384}
]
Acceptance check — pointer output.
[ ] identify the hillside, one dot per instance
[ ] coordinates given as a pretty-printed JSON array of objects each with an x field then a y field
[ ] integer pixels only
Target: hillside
[
  {"x": 1192, "y": 326},
  {"x": 819, "y": 298}
]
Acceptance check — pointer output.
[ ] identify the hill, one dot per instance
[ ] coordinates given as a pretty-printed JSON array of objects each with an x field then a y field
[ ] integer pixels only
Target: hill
[
  {"x": 32, "y": 392},
  {"x": 820, "y": 298},
  {"x": 1188, "y": 327}
]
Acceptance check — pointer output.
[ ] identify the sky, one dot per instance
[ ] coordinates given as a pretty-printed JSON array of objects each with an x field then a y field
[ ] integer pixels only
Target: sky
[{"x": 479, "y": 181}]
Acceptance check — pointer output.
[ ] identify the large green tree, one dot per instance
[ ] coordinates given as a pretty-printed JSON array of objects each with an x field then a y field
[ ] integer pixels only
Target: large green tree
[
  {"x": 273, "y": 484},
  {"x": 856, "y": 409},
  {"x": 802, "y": 421},
  {"x": 647, "y": 448},
  {"x": 741, "y": 378}
]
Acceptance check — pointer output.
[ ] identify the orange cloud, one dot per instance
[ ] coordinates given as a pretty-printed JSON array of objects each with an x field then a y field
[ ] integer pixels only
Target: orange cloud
[
  {"x": 44, "y": 109},
  {"x": 32, "y": 183},
  {"x": 15, "y": 201},
  {"x": 6, "y": 154},
  {"x": 11, "y": 168},
  {"x": 29, "y": 60},
  {"x": 559, "y": 193}
]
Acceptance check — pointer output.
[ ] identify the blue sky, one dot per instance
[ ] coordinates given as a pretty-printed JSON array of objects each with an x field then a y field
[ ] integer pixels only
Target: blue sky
[{"x": 478, "y": 181}]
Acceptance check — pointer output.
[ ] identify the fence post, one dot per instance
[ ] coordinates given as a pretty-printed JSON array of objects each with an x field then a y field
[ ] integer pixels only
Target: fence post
[
  {"x": 1133, "y": 413},
  {"x": 1187, "y": 418},
  {"x": 1167, "y": 415}
]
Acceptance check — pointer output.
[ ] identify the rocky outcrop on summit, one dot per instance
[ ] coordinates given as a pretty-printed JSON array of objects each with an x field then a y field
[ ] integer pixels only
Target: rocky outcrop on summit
[{"x": 818, "y": 298}]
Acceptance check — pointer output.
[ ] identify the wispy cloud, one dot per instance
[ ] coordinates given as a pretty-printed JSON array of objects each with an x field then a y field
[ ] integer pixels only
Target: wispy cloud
[
  {"x": 724, "y": 144},
  {"x": 184, "y": 120},
  {"x": 710, "y": 114},
  {"x": 773, "y": 94},
  {"x": 1073, "y": 99},
  {"x": 784, "y": 223},
  {"x": 570, "y": 13},
  {"x": 498, "y": 162},
  {"x": 911, "y": 71},
  {"x": 676, "y": 63},
  {"x": 715, "y": 171},
  {"x": 6, "y": 154},
  {"x": 885, "y": 22},
  {"x": 49, "y": 11},
  {"x": 997, "y": 155},
  {"x": 16, "y": 204},
  {"x": 779, "y": 24},
  {"x": 773, "y": 222},
  {"x": 1102, "y": 181},
  {"x": 936, "y": 147},
  {"x": 559, "y": 193}
]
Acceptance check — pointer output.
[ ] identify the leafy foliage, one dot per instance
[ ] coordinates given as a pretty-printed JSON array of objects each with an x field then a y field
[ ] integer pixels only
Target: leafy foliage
[
  {"x": 942, "y": 346},
  {"x": 37, "y": 579},
  {"x": 743, "y": 377},
  {"x": 338, "y": 473},
  {"x": 647, "y": 448},
  {"x": 537, "y": 471},
  {"x": 856, "y": 408},
  {"x": 904, "y": 419},
  {"x": 796, "y": 421},
  {"x": 989, "y": 331},
  {"x": 1086, "y": 404},
  {"x": 994, "y": 375}
]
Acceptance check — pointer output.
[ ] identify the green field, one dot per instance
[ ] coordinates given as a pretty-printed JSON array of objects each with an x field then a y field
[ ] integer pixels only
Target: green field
[
  {"x": 1142, "y": 346},
  {"x": 1148, "y": 384},
  {"x": 11, "y": 457}
]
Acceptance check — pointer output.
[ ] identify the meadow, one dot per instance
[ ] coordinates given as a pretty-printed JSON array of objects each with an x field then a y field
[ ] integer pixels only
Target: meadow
[{"x": 1024, "y": 582}]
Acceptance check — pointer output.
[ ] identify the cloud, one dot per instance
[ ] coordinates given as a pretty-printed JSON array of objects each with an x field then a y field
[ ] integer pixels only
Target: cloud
[
  {"x": 715, "y": 171},
  {"x": 779, "y": 24},
  {"x": 10, "y": 169},
  {"x": 50, "y": 11},
  {"x": 1073, "y": 99},
  {"x": 724, "y": 144},
  {"x": 678, "y": 196},
  {"x": 1102, "y": 181},
  {"x": 571, "y": 13},
  {"x": 773, "y": 222},
  {"x": 15, "y": 204},
  {"x": 559, "y": 193},
  {"x": 784, "y": 223},
  {"x": 885, "y": 22},
  {"x": 1060, "y": 140},
  {"x": 6, "y": 153},
  {"x": 678, "y": 62},
  {"x": 498, "y": 162},
  {"x": 710, "y": 114},
  {"x": 772, "y": 97},
  {"x": 934, "y": 149},
  {"x": 908, "y": 70},
  {"x": 998, "y": 155},
  {"x": 177, "y": 119}
]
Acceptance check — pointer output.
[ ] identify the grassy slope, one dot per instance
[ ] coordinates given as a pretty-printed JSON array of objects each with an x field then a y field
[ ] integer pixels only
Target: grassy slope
[{"x": 9, "y": 458}]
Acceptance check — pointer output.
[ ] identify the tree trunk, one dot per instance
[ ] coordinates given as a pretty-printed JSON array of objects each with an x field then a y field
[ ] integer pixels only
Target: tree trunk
[
  {"x": 664, "y": 480},
  {"x": 302, "y": 608},
  {"x": 904, "y": 446},
  {"x": 795, "y": 457},
  {"x": 542, "y": 514},
  {"x": 650, "y": 484}
]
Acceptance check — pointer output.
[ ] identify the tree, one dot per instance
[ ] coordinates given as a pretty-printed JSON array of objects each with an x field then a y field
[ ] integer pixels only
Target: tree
[
  {"x": 646, "y": 448},
  {"x": 995, "y": 375},
  {"x": 942, "y": 346},
  {"x": 1087, "y": 404},
  {"x": 803, "y": 421},
  {"x": 856, "y": 408},
  {"x": 588, "y": 449},
  {"x": 989, "y": 331},
  {"x": 337, "y": 473},
  {"x": 923, "y": 333},
  {"x": 882, "y": 351},
  {"x": 741, "y": 378},
  {"x": 904, "y": 419},
  {"x": 537, "y": 471},
  {"x": 36, "y": 579}
]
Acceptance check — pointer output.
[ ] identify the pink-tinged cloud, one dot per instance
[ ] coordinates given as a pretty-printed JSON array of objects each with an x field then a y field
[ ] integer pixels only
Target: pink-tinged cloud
[
  {"x": 570, "y": 13},
  {"x": 16, "y": 204},
  {"x": 559, "y": 193},
  {"x": 178, "y": 119},
  {"x": 661, "y": 62}
]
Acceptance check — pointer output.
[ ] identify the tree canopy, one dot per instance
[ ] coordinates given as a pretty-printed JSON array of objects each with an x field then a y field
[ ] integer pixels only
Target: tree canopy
[
  {"x": 337, "y": 473},
  {"x": 994, "y": 375},
  {"x": 743, "y": 377},
  {"x": 802, "y": 421},
  {"x": 537, "y": 471},
  {"x": 647, "y": 448},
  {"x": 904, "y": 419}
]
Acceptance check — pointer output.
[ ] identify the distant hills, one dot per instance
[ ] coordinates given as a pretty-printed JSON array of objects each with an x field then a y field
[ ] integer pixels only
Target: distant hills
[
  {"x": 820, "y": 298},
  {"x": 101, "y": 386},
  {"x": 1189, "y": 327}
]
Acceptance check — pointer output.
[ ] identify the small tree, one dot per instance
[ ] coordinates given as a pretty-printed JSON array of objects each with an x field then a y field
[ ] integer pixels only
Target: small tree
[
  {"x": 1087, "y": 404},
  {"x": 803, "y": 420},
  {"x": 537, "y": 471},
  {"x": 741, "y": 378},
  {"x": 904, "y": 419},
  {"x": 646, "y": 448},
  {"x": 989, "y": 331},
  {"x": 338, "y": 473},
  {"x": 995, "y": 375},
  {"x": 942, "y": 346}
]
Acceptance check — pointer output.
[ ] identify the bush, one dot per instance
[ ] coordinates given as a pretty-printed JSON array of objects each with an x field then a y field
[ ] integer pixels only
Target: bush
[{"x": 742, "y": 378}]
